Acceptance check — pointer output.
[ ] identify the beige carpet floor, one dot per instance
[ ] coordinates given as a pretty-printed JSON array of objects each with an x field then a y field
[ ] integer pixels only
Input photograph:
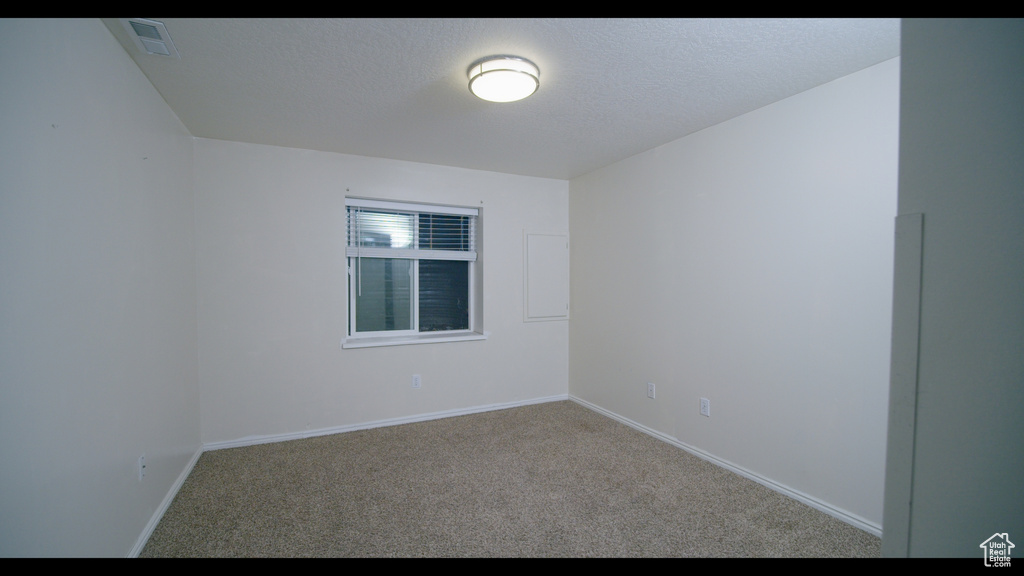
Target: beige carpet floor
[{"x": 546, "y": 480}]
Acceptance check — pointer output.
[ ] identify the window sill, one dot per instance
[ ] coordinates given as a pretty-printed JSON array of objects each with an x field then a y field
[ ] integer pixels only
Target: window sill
[{"x": 405, "y": 340}]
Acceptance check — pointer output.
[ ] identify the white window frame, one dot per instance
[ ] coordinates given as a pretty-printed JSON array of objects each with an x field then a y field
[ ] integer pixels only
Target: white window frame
[{"x": 412, "y": 336}]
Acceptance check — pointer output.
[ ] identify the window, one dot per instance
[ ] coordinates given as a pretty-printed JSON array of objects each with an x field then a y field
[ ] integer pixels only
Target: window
[{"x": 411, "y": 273}]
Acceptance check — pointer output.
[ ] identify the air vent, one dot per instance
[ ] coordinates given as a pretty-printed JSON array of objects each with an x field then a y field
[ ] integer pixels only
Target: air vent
[{"x": 150, "y": 36}]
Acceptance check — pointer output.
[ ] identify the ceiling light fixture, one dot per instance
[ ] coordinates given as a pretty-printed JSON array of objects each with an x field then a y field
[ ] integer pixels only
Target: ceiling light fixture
[{"x": 503, "y": 78}]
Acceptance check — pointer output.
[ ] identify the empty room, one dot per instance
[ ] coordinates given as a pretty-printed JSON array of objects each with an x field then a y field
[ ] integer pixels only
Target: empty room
[{"x": 781, "y": 253}]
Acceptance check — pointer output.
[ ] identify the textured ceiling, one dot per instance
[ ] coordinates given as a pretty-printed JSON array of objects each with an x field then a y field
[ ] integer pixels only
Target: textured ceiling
[{"x": 397, "y": 88}]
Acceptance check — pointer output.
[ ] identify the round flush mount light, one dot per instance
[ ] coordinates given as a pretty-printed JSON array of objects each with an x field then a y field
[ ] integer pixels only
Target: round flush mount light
[{"x": 503, "y": 78}]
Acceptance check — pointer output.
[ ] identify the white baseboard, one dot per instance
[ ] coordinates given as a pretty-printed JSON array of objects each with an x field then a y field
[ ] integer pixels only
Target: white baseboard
[
  {"x": 851, "y": 519},
  {"x": 140, "y": 543},
  {"x": 253, "y": 440}
]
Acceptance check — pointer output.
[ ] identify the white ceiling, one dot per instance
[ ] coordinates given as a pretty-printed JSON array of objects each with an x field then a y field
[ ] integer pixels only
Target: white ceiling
[{"x": 397, "y": 88}]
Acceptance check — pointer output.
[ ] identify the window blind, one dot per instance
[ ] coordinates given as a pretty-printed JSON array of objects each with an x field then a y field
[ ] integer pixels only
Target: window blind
[{"x": 376, "y": 229}]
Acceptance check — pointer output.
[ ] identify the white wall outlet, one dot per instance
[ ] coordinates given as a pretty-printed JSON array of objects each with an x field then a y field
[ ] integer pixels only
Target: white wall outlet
[
  {"x": 705, "y": 407},
  {"x": 142, "y": 467},
  {"x": 416, "y": 381},
  {"x": 650, "y": 390}
]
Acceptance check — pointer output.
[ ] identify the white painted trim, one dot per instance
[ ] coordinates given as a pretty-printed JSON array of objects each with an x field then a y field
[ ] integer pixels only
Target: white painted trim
[
  {"x": 411, "y": 206},
  {"x": 903, "y": 383},
  {"x": 253, "y": 440},
  {"x": 159, "y": 513},
  {"x": 420, "y": 338},
  {"x": 851, "y": 519}
]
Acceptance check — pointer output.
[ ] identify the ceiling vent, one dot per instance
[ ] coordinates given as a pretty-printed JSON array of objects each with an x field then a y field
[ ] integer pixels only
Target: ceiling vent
[{"x": 150, "y": 36}]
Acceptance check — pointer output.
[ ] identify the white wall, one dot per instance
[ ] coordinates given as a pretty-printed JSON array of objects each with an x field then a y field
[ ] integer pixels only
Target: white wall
[
  {"x": 271, "y": 289},
  {"x": 126, "y": 303},
  {"x": 97, "y": 293},
  {"x": 751, "y": 264},
  {"x": 962, "y": 170}
]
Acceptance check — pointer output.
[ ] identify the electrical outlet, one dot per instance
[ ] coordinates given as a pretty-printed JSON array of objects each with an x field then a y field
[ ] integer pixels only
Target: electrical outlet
[
  {"x": 705, "y": 407},
  {"x": 416, "y": 381},
  {"x": 142, "y": 467},
  {"x": 650, "y": 390}
]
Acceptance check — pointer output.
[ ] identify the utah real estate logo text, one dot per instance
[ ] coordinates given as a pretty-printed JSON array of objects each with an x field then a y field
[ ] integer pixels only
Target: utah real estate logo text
[{"x": 997, "y": 550}]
